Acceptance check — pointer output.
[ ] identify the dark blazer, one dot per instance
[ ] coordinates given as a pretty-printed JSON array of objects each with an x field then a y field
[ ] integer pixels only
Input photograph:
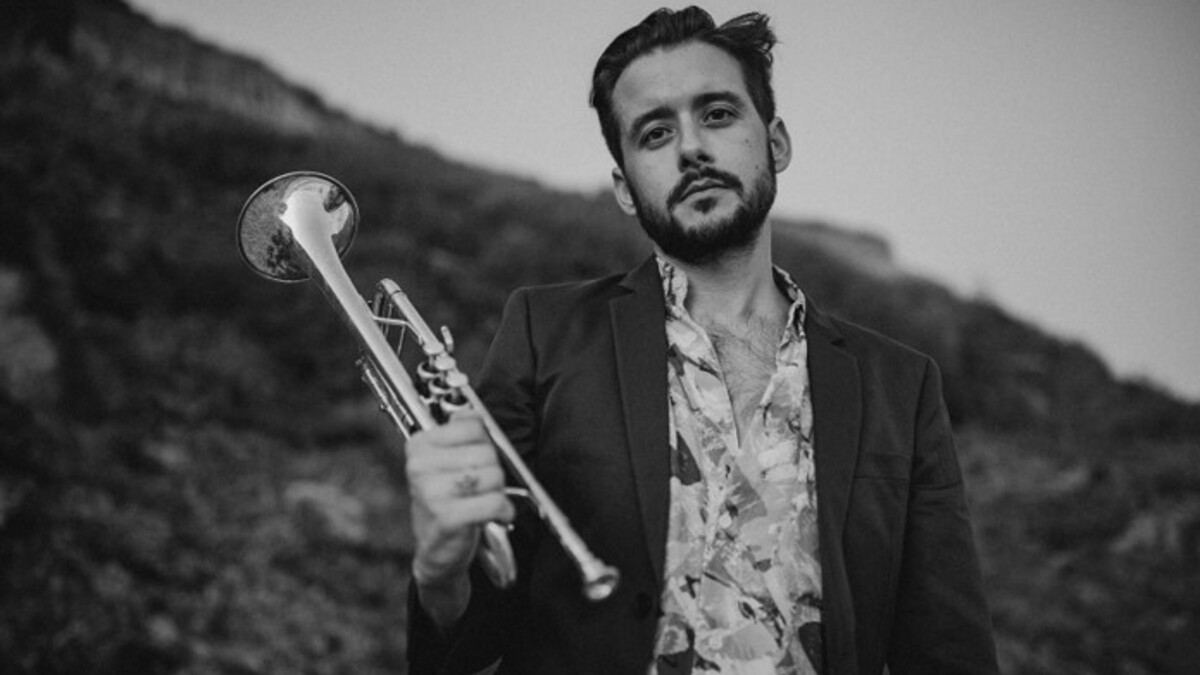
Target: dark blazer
[{"x": 577, "y": 376}]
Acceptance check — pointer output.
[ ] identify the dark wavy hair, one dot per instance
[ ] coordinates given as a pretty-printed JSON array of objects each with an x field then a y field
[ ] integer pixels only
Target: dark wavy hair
[{"x": 747, "y": 38}]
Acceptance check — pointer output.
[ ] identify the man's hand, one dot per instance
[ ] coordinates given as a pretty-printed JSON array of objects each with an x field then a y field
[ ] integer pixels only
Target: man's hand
[{"x": 456, "y": 485}]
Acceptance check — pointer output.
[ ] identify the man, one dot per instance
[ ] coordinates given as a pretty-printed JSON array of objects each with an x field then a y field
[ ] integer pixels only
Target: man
[{"x": 778, "y": 488}]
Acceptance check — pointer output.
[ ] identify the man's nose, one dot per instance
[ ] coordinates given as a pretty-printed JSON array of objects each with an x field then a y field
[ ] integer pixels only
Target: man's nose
[{"x": 693, "y": 150}]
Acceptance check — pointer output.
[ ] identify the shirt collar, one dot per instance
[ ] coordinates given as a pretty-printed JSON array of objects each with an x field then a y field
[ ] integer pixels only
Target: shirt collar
[{"x": 675, "y": 288}]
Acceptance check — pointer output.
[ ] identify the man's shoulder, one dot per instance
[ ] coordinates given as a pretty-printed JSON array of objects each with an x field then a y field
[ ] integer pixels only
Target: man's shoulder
[
  {"x": 892, "y": 373},
  {"x": 572, "y": 292},
  {"x": 587, "y": 293},
  {"x": 867, "y": 344},
  {"x": 557, "y": 320},
  {"x": 548, "y": 308},
  {"x": 868, "y": 338}
]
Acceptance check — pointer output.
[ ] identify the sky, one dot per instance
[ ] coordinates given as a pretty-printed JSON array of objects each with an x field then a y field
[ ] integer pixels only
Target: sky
[{"x": 1044, "y": 154}]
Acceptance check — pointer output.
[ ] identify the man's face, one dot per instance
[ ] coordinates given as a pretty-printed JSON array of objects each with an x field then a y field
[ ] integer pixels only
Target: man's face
[{"x": 699, "y": 164}]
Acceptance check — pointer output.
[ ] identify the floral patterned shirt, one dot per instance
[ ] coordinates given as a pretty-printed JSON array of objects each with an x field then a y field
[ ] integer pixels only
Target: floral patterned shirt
[{"x": 742, "y": 589}]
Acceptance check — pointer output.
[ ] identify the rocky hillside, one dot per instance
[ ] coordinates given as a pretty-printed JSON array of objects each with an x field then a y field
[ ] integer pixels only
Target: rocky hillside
[{"x": 192, "y": 479}]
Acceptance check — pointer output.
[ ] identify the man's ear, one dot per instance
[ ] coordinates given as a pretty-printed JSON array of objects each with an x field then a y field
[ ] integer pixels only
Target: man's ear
[
  {"x": 621, "y": 192},
  {"x": 781, "y": 144}
]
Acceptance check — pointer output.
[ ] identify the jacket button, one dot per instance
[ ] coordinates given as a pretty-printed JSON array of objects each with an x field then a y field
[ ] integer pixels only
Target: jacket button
[{"x": 642, "y": 605}]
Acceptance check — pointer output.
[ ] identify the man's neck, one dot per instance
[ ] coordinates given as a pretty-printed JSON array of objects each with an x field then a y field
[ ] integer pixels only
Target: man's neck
[{"x": 735, "y": 289}]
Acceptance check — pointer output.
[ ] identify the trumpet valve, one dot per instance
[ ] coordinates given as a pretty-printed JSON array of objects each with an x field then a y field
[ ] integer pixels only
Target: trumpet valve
[{"x": 447, "y": 340}]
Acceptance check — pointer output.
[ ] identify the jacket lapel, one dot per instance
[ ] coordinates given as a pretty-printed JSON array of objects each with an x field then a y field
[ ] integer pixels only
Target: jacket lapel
[
  {"x": 837, "y": 414},
  {"x": 638, "y": 320},
  {"x": 837, "y": 418}
]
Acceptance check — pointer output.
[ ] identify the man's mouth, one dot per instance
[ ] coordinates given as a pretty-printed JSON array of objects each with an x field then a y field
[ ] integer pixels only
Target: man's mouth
[
  {"x": 702, "y": 186},
  {"x": 709, "y": 180}
]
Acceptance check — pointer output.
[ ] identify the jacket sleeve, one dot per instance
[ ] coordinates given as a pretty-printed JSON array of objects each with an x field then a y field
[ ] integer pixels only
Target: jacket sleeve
[
  {"x": 942, "y": 624},
  {"x": 479, "y": 638}
]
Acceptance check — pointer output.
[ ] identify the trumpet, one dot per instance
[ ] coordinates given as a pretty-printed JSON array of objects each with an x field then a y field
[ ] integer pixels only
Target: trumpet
[{"x": 296, "y": 227}]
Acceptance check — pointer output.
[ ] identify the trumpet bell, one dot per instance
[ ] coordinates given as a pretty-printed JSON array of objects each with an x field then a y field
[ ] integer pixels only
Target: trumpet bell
[{"x": 271, "y": 216}]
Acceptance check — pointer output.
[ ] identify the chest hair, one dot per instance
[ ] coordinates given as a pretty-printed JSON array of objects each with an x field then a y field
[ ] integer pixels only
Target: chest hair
[{"x": 747, "y": 356}]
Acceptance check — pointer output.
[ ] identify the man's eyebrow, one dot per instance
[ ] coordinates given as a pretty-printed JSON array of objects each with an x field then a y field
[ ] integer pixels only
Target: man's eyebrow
[{"x": 724, "y": 96}]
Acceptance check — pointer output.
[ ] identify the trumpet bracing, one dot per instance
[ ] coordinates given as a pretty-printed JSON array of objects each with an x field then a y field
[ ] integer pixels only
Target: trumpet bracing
[{"x": 297, "y": 226}]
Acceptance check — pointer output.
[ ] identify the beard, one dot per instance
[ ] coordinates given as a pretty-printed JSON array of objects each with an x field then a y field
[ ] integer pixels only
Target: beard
[{"x": 710, "y": 241}]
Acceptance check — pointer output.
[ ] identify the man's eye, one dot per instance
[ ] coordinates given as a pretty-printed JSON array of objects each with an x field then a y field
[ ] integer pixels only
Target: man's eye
[
  {"x": 719, "y": 116},
  {"x": 654, "y": 135}
]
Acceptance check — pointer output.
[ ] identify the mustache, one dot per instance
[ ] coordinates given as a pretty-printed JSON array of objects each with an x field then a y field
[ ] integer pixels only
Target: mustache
[{"x": 707, "y": 175}]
